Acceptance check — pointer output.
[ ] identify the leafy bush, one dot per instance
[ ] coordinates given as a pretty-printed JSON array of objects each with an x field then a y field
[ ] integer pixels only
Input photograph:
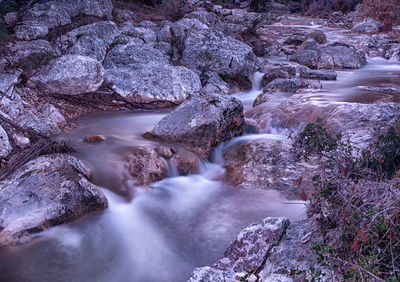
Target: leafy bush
[
  {"x": 356, "y": 202},
  {"x": 386, "y": 11}
]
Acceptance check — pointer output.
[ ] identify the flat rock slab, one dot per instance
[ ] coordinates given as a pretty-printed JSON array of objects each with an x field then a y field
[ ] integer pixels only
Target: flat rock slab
[{"x": 47, "y": 191}]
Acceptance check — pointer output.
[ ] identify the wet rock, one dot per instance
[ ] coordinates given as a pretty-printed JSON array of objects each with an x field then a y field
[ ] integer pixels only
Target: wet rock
[
  {"x": 317, "y": 74},
  {"x": 263, "y": 97},
  {"x": 145, "y": 166},
  {"x": 11, "y": 18},
  {"x": 209, "y": 120},
  {"x": 94, "y": 138},
  {"x": 41, "y": 17},
  {"x": 47, "y": 191},
  {"x": 213, "y": 51},
  {"x": 393, "y": 54},
  {"x": 165, "y": 151},
  {"x": 308, "y": 54},
  {"x": 340, "y": 55},
  {"x": 208, "y": 18},
  {"x": 69, "y": 74},
  {"x": 5, "y": 146},
  {"x": 295, "y": 40},
  {"x": 273, "y": 74},
  {"x": 267, "y": 164},
  {"x": 123, "y": 15},
  {"x": 154, "y": 84},
  {"x": 367, "y": 26},
  {"x": 335, "y": 55},
  {"x": 247, "y": 253},
  {"x": 285, "y": 84},
  {"x": 185, "y": 162},
  {"x": 318, "y": 35}
]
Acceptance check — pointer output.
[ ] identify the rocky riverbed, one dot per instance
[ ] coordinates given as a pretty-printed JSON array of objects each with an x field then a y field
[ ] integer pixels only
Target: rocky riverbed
[{"x": 161, "y": 139}]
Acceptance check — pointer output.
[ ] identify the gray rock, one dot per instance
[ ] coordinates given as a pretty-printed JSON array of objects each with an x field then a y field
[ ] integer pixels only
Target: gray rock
[
  {"x": 183, "y": 27},
  {"x": 30, "y": 32},
  {"x": 11, "y": 18},
  {"x": 266, "y": 164},
  {"x": 335, "y": 55},
  {"x": 131, "y": 54},
  {"x": 295, "y": 39},
  {"x": 145, "y": 34},
  {"x": 285, "y": 84},
  {"x": 124, "y": 15},
  {"x": 69, "y": 74},
  {"x": 318, "y": 35},
  {"x": 247, "y": 253},
  {"x": 5, "y": 146},
  {"x": 215, "y": 84},
  {"x": 47, "y": 191},
  {"x": 368, "y": 26},
  {"x": 273, "y": 74},
  {"x": 165, "y": 34},
  {"x": 317, "y": 74},
  {"x": 209, "y": 120},
  {"x": 340, "y": 55},
  {"x": 26, "y": 52},
  {"x": 154, "y": 85},
  {"x": 145, "y": 166},
  {"x": 208, "y": 18},
  {"x": 41, "y": 17},
  {"x": 7, "y": 82},
  {"x": 89, "y": 40},
  {"x": 213, "y": 51}
]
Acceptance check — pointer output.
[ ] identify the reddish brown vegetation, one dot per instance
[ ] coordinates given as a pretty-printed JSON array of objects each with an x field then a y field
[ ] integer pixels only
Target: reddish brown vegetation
[{"x": 386, "y": 11}]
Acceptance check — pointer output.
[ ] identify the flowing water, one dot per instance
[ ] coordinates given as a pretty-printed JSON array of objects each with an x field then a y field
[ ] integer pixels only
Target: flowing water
[{"x": 170, "y": 227}]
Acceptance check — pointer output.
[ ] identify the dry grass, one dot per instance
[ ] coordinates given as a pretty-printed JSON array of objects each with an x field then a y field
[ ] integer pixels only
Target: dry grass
[{"x": 386, "y": 11}]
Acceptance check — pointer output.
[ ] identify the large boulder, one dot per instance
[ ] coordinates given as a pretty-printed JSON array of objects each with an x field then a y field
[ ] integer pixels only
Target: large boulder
[
  {"x": 90, "y": 40},
  {"x": 335, "y": 55},
  {"x": 47, "y": 191},
  {"x": 201, "y": 123},
  {"x": 38, "y": 19},
  {"x": 207, "y": 50},
  {"x": 133, "y": 53},
  {"x": 154, "y": 84},
  {"x": 147, "y": 35},
  {"x": 69, "y": 74},
  {"x": 246, "y": 254}
]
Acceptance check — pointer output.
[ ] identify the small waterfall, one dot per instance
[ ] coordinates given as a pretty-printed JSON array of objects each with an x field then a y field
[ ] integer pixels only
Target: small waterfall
[{"x": 247, "y": 97}]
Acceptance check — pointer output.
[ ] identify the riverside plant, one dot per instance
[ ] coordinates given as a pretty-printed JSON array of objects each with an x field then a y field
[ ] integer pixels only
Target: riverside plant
[{"x": 356, "y": 203}]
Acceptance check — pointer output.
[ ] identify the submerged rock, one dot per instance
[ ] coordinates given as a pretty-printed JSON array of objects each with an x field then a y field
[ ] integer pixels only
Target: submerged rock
[
  {"x": 201, "y": 123},
  {"x": 69, "y": 74},
  {"x": 47, "y": 191},
  {"x": 145, "y": 166}
]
